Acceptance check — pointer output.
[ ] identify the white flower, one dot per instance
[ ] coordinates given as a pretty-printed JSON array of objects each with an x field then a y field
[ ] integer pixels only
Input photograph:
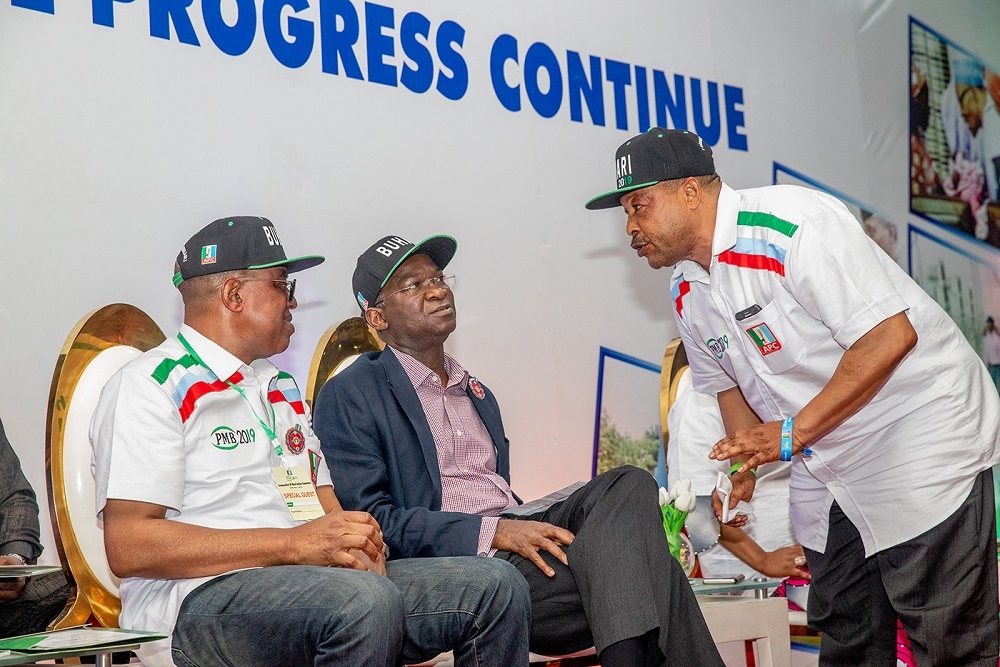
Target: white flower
[
  {"x": 680, "y": 487},
  {"x": 685, "y": 502},
  {"x": 664, "y": 497}
]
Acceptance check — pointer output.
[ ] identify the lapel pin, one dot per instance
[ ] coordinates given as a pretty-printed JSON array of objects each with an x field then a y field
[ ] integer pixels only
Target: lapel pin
[
  {"x": 295, "y": 440},
  {"x": 477, "y": 389}
]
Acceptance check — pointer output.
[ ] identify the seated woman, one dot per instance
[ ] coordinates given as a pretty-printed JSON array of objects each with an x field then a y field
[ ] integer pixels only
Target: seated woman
[{"x": 765, "y": 545}]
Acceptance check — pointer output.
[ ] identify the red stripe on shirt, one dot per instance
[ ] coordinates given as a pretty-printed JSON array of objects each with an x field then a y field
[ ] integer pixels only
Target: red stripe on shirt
[
  {"x": 276, "y": 396},
  {"x": 684, "y": 288},
  {"x": 752, "y": 262},
  {"x": 199, "y": 389}
]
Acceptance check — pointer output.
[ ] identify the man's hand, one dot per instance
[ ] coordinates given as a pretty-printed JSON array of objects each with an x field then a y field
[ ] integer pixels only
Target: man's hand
[
  {"x": 744, "y": 484},
  {"x": 10, "y": 589},
  {"x": 737, "y": 521},
  {"x": 331, "y": 538},
  {"x": 782, "y": 563},
  {"x": 376, "y": 566},
  {"x": 140, "y": 542},
  {"x": 762, "y": 443},
  {"x": 527, "y": 537},
  {"x": 862, "y": 372}
]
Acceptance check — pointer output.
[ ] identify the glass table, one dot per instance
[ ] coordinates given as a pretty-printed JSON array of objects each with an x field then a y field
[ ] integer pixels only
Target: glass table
[
  {"x": 102, "y": 655},
  {"x": 758, "y": 585},
  {"x": 73, "y": 642}
]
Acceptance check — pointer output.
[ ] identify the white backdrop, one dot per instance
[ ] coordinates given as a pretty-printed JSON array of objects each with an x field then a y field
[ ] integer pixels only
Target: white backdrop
[{"x": 115, "y": 146}]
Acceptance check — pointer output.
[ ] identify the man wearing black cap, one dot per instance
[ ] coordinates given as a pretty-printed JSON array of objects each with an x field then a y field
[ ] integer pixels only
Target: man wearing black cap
[
  {"x": 824, "y": 353},
  {"x": 418, "y": 442},
  {"x": 219, "y": 513}
]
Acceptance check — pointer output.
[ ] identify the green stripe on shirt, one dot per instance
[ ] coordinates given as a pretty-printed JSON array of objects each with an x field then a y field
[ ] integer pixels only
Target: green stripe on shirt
[
  {"x": 167, "y": 365},
  {"x": 758, "y": 219}
]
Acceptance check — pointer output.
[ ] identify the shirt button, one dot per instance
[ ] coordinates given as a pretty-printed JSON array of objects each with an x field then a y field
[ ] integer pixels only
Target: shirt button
[
  {"x": 445, "y": 399},
  {"x": 458, "y": 433}
]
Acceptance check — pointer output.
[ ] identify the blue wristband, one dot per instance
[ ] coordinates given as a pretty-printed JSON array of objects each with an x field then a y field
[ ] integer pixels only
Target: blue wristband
[{"x": 786, "y": 439}]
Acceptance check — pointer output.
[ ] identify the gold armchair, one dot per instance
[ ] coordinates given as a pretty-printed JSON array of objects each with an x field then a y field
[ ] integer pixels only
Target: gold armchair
[
  {"x": 337, "y": 349},
  {"x": 101, "y": 342}
]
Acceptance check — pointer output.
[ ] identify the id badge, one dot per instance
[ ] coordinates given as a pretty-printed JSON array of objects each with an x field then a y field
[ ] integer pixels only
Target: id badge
[{"x": 298, "y": 492}]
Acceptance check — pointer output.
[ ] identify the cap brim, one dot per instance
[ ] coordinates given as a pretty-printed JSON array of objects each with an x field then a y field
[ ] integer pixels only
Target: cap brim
[
  {"x": 613, "y": 198},
  {"x": 440, "y": 248},
  {"x": 294, "y": 264}
]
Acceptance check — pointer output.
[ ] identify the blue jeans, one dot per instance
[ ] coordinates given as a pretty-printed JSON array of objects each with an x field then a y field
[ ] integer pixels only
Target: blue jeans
[{"x": 296, "y": 615}]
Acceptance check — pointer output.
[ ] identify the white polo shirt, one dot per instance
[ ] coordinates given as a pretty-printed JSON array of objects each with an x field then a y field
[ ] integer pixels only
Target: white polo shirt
[
  {"x": 170, "y": 431},
  {"x": 794, "y": 281}
]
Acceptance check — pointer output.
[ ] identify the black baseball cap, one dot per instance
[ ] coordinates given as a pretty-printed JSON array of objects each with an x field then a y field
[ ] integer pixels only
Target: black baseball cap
[
  {"x": 653, "y": 156},
  {"x": 377, "y": 264},
  {"x": 234, "y": 244}
]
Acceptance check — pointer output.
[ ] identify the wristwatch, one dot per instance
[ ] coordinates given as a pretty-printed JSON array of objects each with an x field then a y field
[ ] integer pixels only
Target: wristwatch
[{"x": 17, "y": 556}]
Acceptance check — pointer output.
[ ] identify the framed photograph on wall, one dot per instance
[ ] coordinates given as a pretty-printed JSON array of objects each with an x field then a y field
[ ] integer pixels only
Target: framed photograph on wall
[
  {"x": 954, "y": 136},
  {"x": 878, "y": 227},
  {"x": 627, "y": 418}
]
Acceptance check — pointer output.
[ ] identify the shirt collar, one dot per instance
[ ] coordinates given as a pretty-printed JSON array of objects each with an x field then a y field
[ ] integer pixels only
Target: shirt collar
[
  {"x": 219, "y": 360},
  {"x": 419, "y": 374},
  {"x": 726, "y": 213},
  {"x": 723, "y": 237}
]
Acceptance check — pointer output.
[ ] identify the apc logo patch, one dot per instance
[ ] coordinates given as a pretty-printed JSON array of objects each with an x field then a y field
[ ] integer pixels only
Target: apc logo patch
[{"x": 763, "y": 338}]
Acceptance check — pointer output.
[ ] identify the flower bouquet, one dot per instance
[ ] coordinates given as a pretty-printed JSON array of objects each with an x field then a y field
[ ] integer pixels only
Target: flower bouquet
[{"x": 675, "y": 505}]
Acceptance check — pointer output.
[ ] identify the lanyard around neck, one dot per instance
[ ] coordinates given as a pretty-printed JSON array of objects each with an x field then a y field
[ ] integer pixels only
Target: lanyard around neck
[{"x": 267, "y": 428}]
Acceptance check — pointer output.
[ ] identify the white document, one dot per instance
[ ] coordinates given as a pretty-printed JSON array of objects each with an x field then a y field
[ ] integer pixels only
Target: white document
[
  {"x": 725, "y": 490},
  {"x": 88, "y": 637},
  {"x": 76, "y": 638}
]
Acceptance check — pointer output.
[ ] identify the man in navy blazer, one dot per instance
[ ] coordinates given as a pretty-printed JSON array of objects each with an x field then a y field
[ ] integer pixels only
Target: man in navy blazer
[
  {"x": 375, "y": 403},
  {"x": 419, "y": 443}
]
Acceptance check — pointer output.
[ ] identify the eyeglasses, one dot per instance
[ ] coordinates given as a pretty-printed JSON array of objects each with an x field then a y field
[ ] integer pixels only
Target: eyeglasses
[
  {"x": 417, "y": 290},
  {"x": 287, "y": 285}
]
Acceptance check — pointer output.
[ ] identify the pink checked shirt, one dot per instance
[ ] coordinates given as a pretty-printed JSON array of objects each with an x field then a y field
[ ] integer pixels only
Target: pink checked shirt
[{"x": 466, "y": 456}]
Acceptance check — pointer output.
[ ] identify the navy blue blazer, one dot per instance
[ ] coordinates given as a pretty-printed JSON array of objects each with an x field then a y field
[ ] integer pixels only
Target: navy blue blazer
[{"x": 382, "y": 457}]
